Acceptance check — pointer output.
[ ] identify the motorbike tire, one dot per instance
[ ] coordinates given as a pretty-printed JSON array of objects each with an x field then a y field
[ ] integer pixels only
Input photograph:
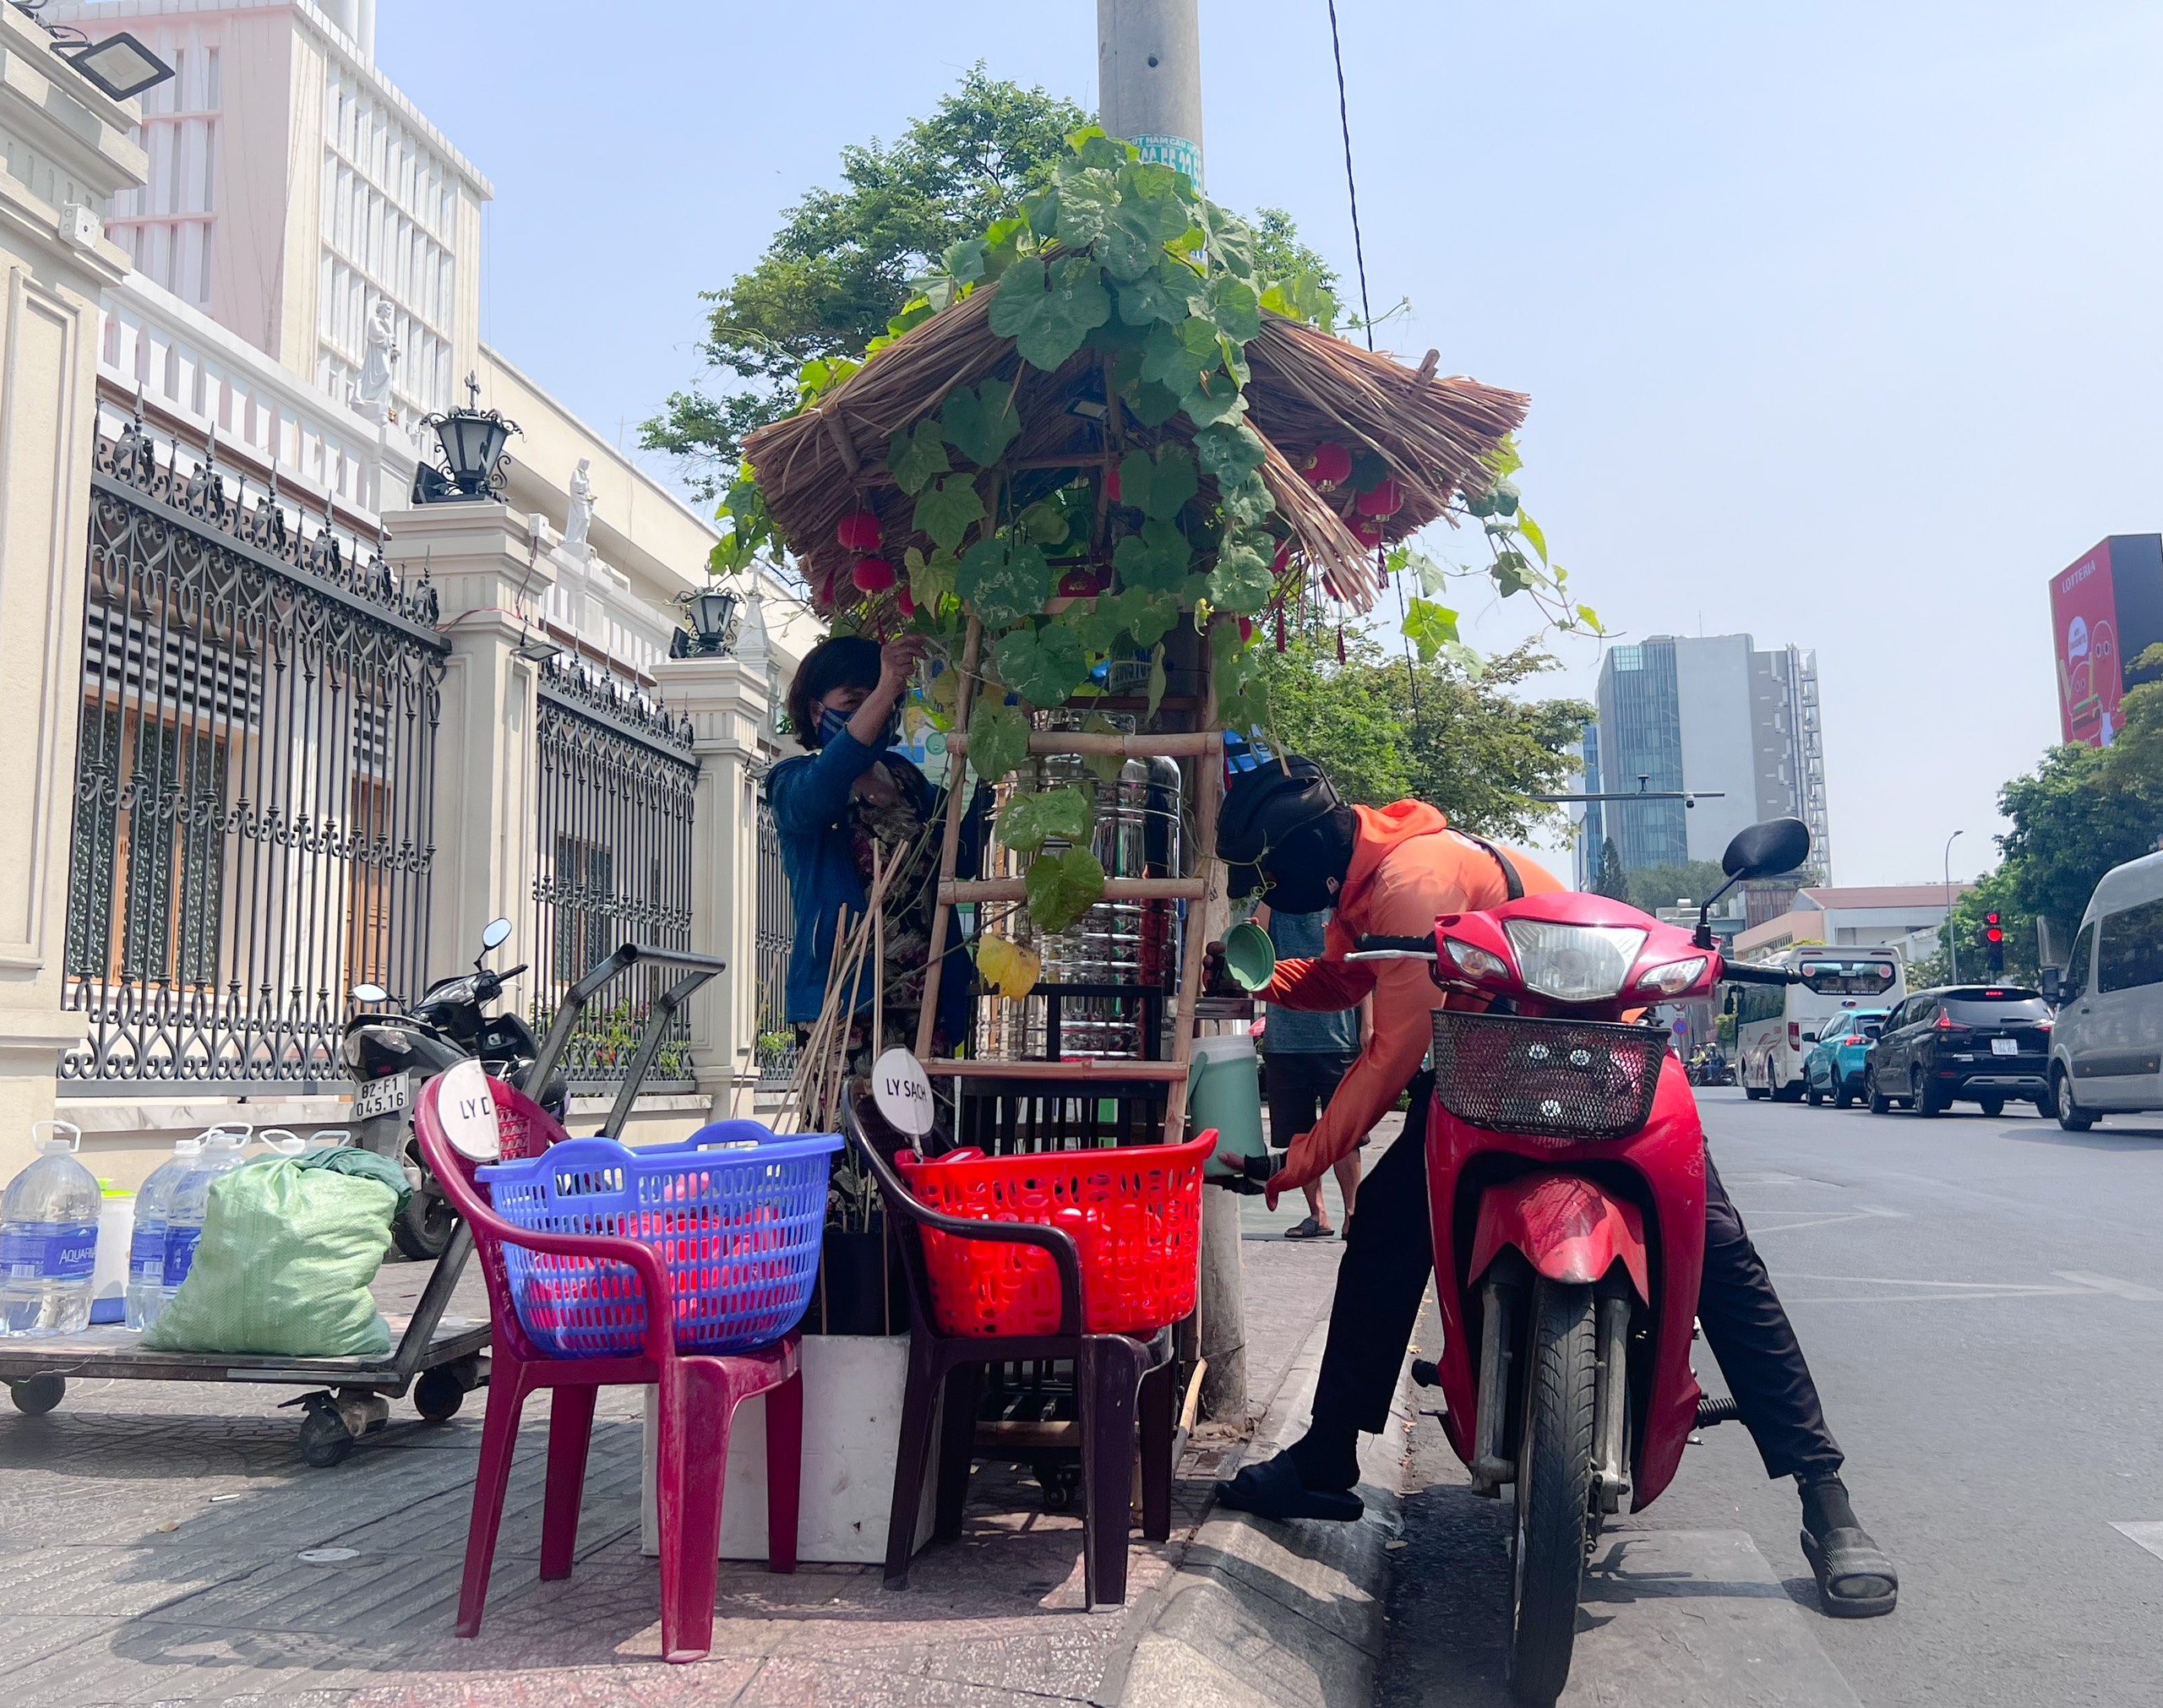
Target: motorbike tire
[
  {"x": 422, "y": 1229},
  {"x": 1554, "y": 1489}
]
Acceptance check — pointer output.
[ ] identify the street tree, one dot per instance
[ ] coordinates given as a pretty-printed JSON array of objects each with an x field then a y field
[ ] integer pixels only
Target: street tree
[{"x": 1611, "y": 880}]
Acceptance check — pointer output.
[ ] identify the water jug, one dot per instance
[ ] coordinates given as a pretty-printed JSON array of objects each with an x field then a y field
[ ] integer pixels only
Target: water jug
[
  {"x": 115, "y": 1243},
  {"x": 1224, "y": 1092},
  {"x": 146, "y": 1252},
  {"x": 49, "y": 1238},
  {"x": 191, "y": 1199}
]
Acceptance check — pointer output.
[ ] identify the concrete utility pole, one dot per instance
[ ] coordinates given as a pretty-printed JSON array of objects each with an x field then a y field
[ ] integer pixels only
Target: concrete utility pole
[
  {"x": 1149, "y": 78},
  {"x": 1149, "y": 93}
]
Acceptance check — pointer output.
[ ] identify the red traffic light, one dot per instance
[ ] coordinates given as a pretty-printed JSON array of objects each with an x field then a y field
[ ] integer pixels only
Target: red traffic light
[{"x": 1993, "y": 931}]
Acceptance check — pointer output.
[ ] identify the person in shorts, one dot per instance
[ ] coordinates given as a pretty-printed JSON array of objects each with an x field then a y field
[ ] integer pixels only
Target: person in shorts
[{"x": 1304, "y": 1054}]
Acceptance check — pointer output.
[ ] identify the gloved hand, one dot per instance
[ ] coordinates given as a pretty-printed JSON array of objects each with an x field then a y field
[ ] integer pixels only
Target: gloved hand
[
  {"x": 1301, "y": 1167},
  {"x": 1217, "y": 980}
]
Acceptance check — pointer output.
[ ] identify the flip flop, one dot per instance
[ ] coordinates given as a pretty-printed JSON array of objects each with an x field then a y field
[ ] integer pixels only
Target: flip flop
[
  {"x": 1310, "y": 1229},
  {"x": 1855, "y": 1581},
  {"x": 1273, "y": 1489}
]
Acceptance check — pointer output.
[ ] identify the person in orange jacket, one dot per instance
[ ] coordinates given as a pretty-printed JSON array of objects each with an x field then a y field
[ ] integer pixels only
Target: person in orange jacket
[{"x": 1391, "y": 872}]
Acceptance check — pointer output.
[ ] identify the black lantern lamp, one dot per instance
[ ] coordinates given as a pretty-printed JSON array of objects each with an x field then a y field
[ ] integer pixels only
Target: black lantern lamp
[
  {"x": 713, "y": 622},
  {"x": 473, "y": 441}
]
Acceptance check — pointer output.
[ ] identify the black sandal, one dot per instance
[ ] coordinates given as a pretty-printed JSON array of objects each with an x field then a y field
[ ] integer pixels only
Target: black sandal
[
  {"x": 1274, "y": 1489},
  {"x": 1855, "y": 1581},
  {"x": 1310, "y": 1229}
]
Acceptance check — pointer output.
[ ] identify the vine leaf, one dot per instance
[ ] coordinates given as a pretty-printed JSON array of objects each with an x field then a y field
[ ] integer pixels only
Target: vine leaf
[
  {"x": 980, "y": 424},
  {"x": 1217, "y": 398},
  {"x": 1104, "y": 767},
  {"x": 930, "y": 578},
  {"x": 1161, "y": 489},
  {"x": 1430, "y": 627},
  {"x": 1147, "y": 215},
  {"x": 1156, "y": 558},
  {"x": 998, "y": 737},
  {"x": 1152, "y": 403},
  {"x": 1008, "y": 968},
  {"x": 1170, "y": 292},
  {"x": 1027, "y": 822},
  {"x": 1228, "y": 451},
  {"x": 1241, "y": 580},
  {"x": 1049, "y": 308},
  {"x": 1062, "y": 887},
  {"x": 946, "y": 511},
  {"x": 1159, "y": 678},
  {"x": 1003, "y": 580},
  {"x": 915, "y": 457},
  {"x": 1171, "y": 362},
  {"x": 1235, "y": 309},
  {"x": 1044, "y": 665}
]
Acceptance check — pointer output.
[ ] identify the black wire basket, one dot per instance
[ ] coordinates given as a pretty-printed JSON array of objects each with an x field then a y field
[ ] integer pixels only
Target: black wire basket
[{"x": 1558, "y": 1078}]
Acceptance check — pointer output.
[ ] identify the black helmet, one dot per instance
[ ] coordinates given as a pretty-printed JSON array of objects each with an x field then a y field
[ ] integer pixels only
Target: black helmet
[{"x": 1264, "y": 808}]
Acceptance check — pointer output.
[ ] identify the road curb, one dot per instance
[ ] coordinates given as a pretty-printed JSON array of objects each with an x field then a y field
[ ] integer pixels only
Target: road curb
[{"x": 1262, "y": 1614}]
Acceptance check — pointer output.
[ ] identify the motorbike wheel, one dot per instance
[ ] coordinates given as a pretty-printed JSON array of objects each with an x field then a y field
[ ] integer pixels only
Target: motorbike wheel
[
  {"x": 422, "y": 1229},
  {"x": 1554, "y": 1526}
]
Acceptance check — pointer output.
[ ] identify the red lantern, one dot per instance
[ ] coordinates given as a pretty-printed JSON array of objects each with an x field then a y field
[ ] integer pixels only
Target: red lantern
[
  {"x": 907, "y": 602},
  {"x": 1284, "y": 557},
  {"x": 1384, "y": 498},
  {"x": 873, "y": 575},
  {"x": 1246, "y": 630},
  {"x": 1280, "y": 629},
  {"x": 1329, "y": 465},
  {"x": 859, "y": 531},
  {"x": 1111, "y": 485},
  {"x": 1368, "y": 534},
  {"x": 1077, "y": 584}
]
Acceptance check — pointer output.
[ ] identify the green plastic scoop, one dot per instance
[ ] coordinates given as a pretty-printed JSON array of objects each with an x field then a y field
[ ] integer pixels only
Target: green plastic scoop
[{"x": 1250, "y": 956}]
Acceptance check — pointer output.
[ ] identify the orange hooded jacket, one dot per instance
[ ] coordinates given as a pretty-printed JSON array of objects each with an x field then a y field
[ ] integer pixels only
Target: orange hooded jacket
[{"x": 1407, "y": 868}]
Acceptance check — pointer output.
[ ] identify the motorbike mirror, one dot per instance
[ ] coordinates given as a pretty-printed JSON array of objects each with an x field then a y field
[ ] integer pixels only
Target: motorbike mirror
[
  {"x": 370, "y": 993},
  {"x": 1778, "y": 845},
  {"x": 496, "y": 933}
]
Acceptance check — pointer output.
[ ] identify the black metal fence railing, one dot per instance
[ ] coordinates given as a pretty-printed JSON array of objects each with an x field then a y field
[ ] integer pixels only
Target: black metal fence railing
[
  {"x": 252, "y": 828},
  {"x": 775, "y": 932},
  {"x": 613, "y": 864}
]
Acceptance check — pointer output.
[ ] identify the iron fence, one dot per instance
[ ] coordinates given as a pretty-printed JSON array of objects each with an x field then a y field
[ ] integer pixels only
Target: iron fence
[
  {"x": 774, "y": 931},
  {"x": 613, "y": 864},
  {"x": 252, "y": 818}
]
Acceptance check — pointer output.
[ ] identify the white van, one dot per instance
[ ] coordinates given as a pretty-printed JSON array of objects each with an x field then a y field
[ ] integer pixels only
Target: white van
[
  {"x": 2107, "y": 1049},
  {"x": 1775, "y": 1026}
]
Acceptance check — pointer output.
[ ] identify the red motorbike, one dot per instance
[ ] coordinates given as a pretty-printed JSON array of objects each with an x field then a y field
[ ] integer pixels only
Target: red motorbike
[{"x": 1565, "y": 1173}]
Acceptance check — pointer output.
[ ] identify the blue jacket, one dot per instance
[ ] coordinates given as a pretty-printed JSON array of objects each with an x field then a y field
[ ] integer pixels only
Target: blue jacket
[{"x": 809, "y": 795}]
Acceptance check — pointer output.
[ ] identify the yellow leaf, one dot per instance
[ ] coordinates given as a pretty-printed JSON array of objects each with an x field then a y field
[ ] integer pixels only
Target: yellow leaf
[{"x": 1007, "y": 967}]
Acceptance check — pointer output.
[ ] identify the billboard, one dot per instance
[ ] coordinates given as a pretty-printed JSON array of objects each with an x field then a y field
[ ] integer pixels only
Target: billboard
[{"x": 2106, "y": 609}]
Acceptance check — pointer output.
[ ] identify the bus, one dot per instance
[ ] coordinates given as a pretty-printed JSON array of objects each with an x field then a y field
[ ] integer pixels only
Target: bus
[{"x": 1775, "y": 1025}]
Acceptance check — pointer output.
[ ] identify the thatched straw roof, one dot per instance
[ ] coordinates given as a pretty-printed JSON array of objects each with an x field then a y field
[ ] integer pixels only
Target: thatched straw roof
[{"x": 1308, "y": 388}]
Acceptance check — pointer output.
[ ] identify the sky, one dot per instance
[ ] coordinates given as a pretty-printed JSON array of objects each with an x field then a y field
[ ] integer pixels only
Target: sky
[{"x": 1837, "y": 319}]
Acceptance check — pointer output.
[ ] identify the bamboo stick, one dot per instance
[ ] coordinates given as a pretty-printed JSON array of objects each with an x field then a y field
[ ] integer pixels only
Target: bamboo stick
[
  {"x": 1209, "y": 783},
  {"x": 949, "y": 848}
]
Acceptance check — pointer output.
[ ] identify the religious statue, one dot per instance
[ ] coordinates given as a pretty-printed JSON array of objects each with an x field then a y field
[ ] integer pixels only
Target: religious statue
[
  {"x": 372, "y": 396},
  {"x": 580, "y": 517}
]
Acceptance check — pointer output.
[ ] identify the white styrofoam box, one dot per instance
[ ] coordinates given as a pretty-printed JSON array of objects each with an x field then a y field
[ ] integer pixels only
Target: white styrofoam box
[{"x": 852, "y": 1386}]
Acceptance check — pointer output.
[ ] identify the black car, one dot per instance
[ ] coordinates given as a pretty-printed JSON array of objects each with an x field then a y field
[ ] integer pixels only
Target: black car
[{"x": 1987, "y": 1044}]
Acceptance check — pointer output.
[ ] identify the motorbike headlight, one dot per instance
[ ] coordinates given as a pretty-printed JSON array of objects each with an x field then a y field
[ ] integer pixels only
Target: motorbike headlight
[
  {"x": 1674, "y": 978},
  {"x": 1574, "y": 962},
  {"x": 1473, "y": 961}
]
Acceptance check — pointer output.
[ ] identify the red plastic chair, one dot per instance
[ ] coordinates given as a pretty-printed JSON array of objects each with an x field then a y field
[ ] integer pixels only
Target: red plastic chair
[{"x": 699, "y": 1397}]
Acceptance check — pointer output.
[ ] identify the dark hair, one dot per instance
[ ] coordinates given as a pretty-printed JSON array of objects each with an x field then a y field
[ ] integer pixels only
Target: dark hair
[{"x": 840, "y": 661}]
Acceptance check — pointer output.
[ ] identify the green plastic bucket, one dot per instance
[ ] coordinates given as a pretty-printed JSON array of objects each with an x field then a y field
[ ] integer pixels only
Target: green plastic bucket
[{"x": 1224, "y": 1092}]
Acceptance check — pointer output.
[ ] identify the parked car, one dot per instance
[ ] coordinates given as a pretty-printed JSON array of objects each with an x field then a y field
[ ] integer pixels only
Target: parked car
[
  {"x": 1834, "y": 1069},
  {"x": 2105, "y": 1050},
  {"x": 1987, "y": 1044}
]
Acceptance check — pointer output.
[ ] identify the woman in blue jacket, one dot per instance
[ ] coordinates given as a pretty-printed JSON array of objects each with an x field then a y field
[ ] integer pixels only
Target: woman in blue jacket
[{"x": 833, "y": 806}]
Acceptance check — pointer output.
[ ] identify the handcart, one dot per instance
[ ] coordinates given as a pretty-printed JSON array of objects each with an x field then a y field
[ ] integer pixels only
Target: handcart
[{"x": 441, "y": 1356}]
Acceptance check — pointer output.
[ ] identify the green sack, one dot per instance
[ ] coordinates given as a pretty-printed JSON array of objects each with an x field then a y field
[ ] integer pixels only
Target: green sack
[{"x": 283, "y": 1266}]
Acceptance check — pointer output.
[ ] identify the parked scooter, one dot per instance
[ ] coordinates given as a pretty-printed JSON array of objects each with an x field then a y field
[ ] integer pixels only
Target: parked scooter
[
  {"x": 1710, "y": 1066},
  {"x": 389, "y": 1055},
  {"x": 1566, "y": 1174}
]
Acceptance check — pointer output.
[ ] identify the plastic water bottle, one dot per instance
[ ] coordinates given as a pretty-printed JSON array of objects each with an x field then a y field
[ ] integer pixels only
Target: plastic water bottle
[
  {"x": 146, "y": 1251},
  {"x": 49, "y": 1239},
  {"x": 191, "y": 1201}
]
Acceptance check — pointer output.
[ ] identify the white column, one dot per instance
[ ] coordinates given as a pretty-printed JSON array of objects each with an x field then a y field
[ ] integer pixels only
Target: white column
[
  {"x": 491, "y": 579},
  {"x": 727, "y": 701},
  {"x": 69, "y": 144}
]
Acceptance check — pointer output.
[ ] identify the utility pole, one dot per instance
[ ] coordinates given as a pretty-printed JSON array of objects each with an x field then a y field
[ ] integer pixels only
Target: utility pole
[
  {"x": 1149, "y": 93},
  {"x": 1149, "y": 78}
]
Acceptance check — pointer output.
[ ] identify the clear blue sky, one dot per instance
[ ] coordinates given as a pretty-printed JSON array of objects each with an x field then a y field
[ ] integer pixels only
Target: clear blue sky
[{"x": 1839, "y": 320}]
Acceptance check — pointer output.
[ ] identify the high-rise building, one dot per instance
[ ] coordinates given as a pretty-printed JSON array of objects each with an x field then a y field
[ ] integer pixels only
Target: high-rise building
[{"x": 1706, "y": 713}]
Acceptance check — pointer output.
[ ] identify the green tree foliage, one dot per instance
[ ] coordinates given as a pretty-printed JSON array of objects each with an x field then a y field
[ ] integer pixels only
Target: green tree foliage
[
  {"x": 846, "y": 261},
  {"x": 1611, "y": 880},
  {"x": 1471, "y": 747},
  {"x": 1661, "y": 886}
]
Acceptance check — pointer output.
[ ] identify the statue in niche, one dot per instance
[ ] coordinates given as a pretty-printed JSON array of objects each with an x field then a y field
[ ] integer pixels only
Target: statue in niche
[
  {"x": 580, "y": 517},
  {"x": 372, "y": 396}
]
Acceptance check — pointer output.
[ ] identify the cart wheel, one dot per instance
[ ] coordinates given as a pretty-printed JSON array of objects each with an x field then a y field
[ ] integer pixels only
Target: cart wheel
[
  {"x": 1061, "y": 1484},
  {"x": 324, "y": 1439},
  {"x": 37, "y": 1396},
  {"x": 439, "y": 1394}
]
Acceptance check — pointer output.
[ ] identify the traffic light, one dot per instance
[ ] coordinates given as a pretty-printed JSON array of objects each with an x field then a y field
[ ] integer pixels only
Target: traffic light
[{"x": 1994, "y": 943}]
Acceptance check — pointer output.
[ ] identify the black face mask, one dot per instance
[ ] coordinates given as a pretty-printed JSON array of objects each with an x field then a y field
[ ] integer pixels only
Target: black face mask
[
  {"x": 1296, "y": 875},
  {"x": 1303, "y": 890}
]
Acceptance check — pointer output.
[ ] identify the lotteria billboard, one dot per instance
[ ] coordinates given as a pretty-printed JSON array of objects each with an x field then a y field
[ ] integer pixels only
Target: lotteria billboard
[{"x": 2106, "y": 609}]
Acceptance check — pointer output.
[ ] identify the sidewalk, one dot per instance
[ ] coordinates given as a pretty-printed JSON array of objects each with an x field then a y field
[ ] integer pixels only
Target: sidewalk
[{"x": 153, "y": 1536}]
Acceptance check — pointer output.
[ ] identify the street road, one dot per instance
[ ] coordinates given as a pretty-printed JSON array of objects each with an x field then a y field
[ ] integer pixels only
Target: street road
[{"x": 1982, "y": 1304}]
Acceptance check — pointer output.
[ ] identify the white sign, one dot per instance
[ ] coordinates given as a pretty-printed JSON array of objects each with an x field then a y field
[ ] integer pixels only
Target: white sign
[
  {"x": 468, "y": 1109},
  {"x": 902, "y": 1090}
]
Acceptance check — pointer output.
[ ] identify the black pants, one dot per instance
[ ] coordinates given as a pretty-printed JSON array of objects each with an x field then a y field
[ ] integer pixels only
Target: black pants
[{"x": 1389, "y": 1254}]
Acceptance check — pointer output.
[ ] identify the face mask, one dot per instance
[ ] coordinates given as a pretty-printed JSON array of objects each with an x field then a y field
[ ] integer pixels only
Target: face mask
[
  {"x": 1299, "y": 891},
  {"x": 832, "y": 721}
]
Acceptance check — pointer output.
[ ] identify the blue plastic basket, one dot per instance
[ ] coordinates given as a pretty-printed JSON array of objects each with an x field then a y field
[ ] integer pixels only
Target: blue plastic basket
[{"x": 734, "y": 1213}]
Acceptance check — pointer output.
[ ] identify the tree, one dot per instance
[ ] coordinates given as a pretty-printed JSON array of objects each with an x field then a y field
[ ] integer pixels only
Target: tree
[
  {"x": 1656, "y": 887},
  {"x": 1471, "y": 748},
  {"x": 841, "y": 266},
  {"x": 1611, "y": 881}
]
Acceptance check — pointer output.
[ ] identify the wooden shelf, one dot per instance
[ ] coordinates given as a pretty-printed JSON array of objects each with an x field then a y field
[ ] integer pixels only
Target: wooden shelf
[{"x": 954, "y": 890}]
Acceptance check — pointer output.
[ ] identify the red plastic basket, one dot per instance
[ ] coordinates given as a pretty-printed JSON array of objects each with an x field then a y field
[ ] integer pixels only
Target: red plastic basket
[{"x": 1135, "y": 1213}]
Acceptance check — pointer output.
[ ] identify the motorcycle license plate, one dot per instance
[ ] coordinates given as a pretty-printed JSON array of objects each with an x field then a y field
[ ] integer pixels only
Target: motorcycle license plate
[
  {"x": 2005, "y": 1046},
  {"x": 385, "y": 1096}
]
